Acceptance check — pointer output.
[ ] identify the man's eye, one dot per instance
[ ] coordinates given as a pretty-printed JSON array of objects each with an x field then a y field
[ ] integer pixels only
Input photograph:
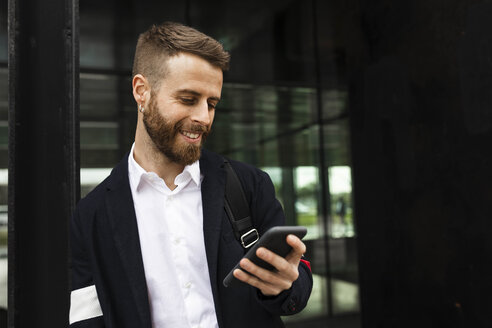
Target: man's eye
[
  {"x": 188, "y": 101},
  {"x": 211, "y": 106}
]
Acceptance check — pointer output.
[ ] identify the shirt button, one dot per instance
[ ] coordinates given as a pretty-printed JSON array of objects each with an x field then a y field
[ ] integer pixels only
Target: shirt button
[
  {"x": 187, "y": 285},
  {"x": 177, "y": 241},
  {"x": 170, "y": 199}
]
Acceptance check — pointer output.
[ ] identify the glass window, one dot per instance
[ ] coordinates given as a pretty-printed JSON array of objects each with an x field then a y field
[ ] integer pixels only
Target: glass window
[{"x": 341, "y": 231}]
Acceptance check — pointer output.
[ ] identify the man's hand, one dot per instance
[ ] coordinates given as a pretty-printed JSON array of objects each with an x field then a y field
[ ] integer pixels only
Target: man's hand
[{"x": 272, "y": 283}]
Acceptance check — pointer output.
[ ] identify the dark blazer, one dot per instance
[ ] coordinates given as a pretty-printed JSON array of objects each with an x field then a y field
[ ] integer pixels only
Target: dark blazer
[{"x": 106, "y": 251}]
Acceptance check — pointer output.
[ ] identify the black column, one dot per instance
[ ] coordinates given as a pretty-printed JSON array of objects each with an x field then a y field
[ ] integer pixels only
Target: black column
[
  {"x": 420, "y": 106},
  {"x": 43, "y": 158}
]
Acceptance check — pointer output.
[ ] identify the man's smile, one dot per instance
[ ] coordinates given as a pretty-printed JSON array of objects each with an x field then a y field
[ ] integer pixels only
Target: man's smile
[{"x": 190, "y": 135}]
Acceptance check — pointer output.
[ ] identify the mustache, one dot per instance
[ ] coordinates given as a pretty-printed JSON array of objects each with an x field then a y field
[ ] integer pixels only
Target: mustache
[{"x": 194, "y": 128}]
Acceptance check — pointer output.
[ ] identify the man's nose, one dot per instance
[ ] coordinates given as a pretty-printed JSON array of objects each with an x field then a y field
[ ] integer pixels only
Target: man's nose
[{"x": 201, "y": 114}]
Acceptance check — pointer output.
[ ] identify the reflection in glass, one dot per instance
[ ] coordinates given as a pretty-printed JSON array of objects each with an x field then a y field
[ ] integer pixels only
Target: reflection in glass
[
  {"x": 259, "y": 112},
  {"x": 340, "y": 181},
  {"x": 307, "y": 200}
]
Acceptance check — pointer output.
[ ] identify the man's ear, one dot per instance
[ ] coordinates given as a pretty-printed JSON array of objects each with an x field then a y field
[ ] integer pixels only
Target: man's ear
[{"x": 141, "y": 89}]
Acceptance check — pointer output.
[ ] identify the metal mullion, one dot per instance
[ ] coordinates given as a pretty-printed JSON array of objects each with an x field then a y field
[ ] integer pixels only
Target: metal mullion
[{"x": 43, "y": 158}]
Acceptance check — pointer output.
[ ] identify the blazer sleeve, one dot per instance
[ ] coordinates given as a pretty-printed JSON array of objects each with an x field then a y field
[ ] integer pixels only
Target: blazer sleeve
[
  {"x": 268, "y": 213},
  {"x": 85, "y": 309}
]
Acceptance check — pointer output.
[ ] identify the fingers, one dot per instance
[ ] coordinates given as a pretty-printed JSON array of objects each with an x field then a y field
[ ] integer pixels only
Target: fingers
[
  {"x": 266, "y": 289},
  {"x": 285, "y": 267},
  {"x": 298, "y": 247},
  {"x": 285, "y": 270},
  {"x": 270, "y": 283},
  {"x": 273, "y": 282}
]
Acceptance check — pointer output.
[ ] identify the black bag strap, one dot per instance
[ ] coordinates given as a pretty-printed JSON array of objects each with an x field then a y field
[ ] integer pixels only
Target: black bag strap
[{"x": 237, "y": 209}]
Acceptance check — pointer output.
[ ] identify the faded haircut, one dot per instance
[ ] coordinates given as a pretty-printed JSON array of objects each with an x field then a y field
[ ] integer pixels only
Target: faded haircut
[{"x": 160, "y": 42}]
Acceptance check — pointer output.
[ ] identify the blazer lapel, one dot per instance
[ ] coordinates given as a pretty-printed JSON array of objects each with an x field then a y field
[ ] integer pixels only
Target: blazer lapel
[
  {"x": 211, "y": 166},
  {"x": 121, "y": 213}
]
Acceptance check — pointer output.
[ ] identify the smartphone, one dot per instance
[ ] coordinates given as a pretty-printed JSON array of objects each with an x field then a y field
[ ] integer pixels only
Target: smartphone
[{"x": 274, "y": 240}]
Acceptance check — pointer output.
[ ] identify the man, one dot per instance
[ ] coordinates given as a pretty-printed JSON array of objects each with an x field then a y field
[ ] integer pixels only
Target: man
[{"x": 152, "y": 243}]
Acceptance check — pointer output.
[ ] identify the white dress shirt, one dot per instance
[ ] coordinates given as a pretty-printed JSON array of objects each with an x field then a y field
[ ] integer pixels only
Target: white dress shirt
[{"x": 170, "y": 227}]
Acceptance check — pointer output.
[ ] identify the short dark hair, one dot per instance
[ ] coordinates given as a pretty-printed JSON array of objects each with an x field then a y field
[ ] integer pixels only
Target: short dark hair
[{"x": 161, "y": 42}]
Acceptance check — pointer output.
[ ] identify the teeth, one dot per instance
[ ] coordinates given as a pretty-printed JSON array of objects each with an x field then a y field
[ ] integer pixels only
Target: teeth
[{"x": 191, "y": 135}]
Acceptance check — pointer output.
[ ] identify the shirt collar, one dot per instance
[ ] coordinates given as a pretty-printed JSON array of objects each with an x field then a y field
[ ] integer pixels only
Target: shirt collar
[
  {"x": 193, "y": 170},
  {"x": 135, "y": 172}
]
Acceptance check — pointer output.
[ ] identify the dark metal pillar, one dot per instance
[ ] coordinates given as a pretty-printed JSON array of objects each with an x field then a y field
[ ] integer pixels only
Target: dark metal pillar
[
  {"x": 325, "y": 204},
  {"x": 124, "y": 33},
  {"x": 43, "y": 158}
]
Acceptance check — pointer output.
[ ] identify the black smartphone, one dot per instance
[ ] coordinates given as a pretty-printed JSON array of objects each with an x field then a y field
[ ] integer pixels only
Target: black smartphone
[{"x": 274, "y": 240}]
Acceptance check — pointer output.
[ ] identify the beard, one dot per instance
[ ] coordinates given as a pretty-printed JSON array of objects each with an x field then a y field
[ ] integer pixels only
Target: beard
[{"x": 164, "y": 134}]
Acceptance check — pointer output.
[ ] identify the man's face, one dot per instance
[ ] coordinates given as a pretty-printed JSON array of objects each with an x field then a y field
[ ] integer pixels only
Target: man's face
[{"x": 180, "y": 113}]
